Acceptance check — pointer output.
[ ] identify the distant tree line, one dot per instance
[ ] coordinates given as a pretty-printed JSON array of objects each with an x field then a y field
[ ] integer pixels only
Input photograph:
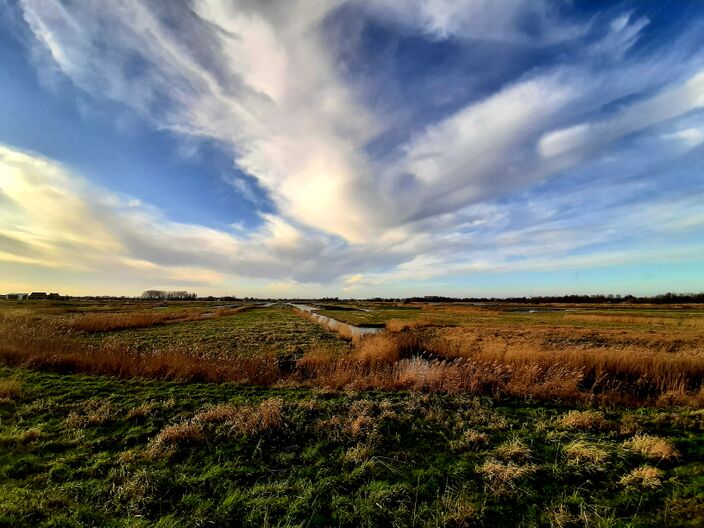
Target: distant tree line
[
  {"x": 161, "y": 295},
  {"x": 665, "y": 298}
]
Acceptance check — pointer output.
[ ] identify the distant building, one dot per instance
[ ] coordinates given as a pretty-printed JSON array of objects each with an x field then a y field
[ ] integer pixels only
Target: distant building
[
  {"x": 17, "y": 296},
  {"x": 38, "y": 295},
  {"x": 53, "y": 295}
]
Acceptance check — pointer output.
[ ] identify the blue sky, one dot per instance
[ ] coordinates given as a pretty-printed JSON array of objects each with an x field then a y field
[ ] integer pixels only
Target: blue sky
[{"x": 360, "y": 148}]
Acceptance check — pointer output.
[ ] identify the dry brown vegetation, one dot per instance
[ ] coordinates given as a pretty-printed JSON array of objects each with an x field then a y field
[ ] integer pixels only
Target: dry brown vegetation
[
  {"x": 644, "y": 477},
  {"x": 244, "y": 419},
  {"x": 583, "y": 420},
  {"x": 233, "y": 419},
  {"x": 94, "y": 413},
  {"x": 10, "y": 389},
  {"x": 652, "y": 447},
  {"x": 43, "y": 345},
  {"x": 625, "y": 319},
  {"x": 106, "y": 322},
  {"x": 580, "y": 453},
  {"x": 398, "y": 325},
  {"x": 514, "y": 449},
  {"x": 543, "y": 362},
  {"x": 470, "y": 439},
  {"x": 502, "y": 478},
  {"x": 172, "y": 437}
]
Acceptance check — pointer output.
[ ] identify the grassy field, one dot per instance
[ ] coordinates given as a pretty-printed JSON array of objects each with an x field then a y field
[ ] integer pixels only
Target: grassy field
[
  {"x": 519, "y": 315},
  {"x": 261, "y": 330},
  {"x": 96, "y": 451},
  {"x": 256, "y": 416}
]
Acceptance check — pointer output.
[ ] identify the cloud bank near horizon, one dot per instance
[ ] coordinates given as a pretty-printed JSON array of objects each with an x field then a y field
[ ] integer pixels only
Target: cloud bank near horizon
[{"x": 580, "y": 147}]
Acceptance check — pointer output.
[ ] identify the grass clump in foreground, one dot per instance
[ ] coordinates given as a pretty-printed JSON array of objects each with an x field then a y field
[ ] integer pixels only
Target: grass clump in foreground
[{"x": 95, "y": 451}]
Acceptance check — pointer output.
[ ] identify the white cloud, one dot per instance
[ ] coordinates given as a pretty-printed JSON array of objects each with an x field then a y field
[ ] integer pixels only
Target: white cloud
[
  {"x": 690, "y": 136},
  {"x": 585, "y": 137},
  {"x": 54, "y": 220},
  {"x": 500, "y": 20},
  {"x": 256, "y": 77}
]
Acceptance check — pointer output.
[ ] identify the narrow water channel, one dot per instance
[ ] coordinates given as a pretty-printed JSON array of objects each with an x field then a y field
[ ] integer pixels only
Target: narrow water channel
[{"x": 334, "y": 324}]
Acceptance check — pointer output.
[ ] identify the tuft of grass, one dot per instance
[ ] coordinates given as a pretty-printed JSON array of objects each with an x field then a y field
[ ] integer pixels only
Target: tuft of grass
[
  {"x": 358, "y": 453},
  {"x": 470, "y": 439},
  {"x": 580, "y": 452},
  {"x": 583, "y": 421},
  {"x": 643, "y": 477},
  {"x": 503, "y": 477},
  {"x": 173, "y": 437},
  {"x": 514, "y": 449},
  {"x": 141, "y": 411},
  {"x": 458, "y": 508},
  {"x": 653, "y": 447},
  {"x": 10, "y": 389},
  {"x": 92, "y": 412},
  {"x": 20, "y": 437},
  {"x": 244, "y": 419}
]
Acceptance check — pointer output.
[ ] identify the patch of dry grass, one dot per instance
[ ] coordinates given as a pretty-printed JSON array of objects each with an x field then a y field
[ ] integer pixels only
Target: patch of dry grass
[
  {"x": 20, "y": 437},
  {"x": 503, "y": 477},
  {"x": 173, "y": 437},
  {"x": 458, "y": 508},
  {"x": 583, "y": 421},
  {"x": 141, "y": 411},
  {"x": 627, "y": 319},
  {"x": 43, "y": 345},
  {"x": 399, "y": 325},
  {"x": 358, "y": 453},
  {"x": 470, "y": 439},
  {"x": 379, "y": 349},
  {"x": 94, "y": 412},
  {"x": 580, "y": 453},
  {"x": 514, "y": 449},
  {"x": 653, "y": 447},
  {"x": 244, "y": 419},
  {"x": 108, "y": 322},
  {"x": 644, "y": 477},
  {"x": 10, "y": 389},
  {"x": 267, "y": 416}
]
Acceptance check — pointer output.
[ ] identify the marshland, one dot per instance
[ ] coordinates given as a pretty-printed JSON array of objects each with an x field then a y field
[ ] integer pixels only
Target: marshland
[{"x": 139, "y": 413}]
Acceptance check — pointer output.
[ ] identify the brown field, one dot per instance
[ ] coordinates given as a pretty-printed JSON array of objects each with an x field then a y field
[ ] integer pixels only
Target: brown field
[{"x": 106, "y": 322}]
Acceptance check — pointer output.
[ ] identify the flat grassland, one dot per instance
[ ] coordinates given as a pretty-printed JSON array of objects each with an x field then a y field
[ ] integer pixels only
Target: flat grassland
[{"x": 453, "y": 415}]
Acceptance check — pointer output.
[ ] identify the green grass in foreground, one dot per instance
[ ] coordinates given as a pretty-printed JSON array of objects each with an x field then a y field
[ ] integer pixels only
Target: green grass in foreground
[{"x": 93, "y": 451}]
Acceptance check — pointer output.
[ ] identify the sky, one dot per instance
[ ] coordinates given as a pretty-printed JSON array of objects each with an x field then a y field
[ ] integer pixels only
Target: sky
[{"x": 361, "y": 148}]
